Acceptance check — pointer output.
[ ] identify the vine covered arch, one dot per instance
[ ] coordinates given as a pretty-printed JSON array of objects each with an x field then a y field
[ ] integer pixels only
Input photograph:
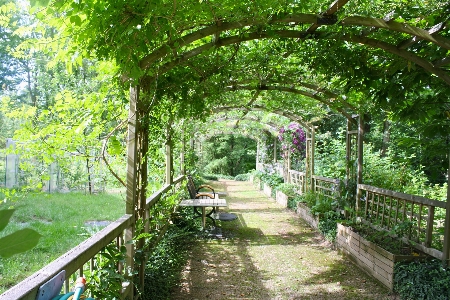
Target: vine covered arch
[{"x": 352, "y": 56}]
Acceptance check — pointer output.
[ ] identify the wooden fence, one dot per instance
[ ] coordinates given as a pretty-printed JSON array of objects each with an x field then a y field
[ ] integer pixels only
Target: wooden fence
[
  {"x": 76, "y": 260},
  {"x": 328, "y": 187},
  {"x": 299, "y": 179},
  {"x": 423, "y": 217}
]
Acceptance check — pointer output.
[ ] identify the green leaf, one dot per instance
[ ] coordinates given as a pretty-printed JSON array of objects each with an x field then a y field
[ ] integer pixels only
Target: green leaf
[
  {"x": 75, "y": 20},
  {"x": 19, "y": 241},
  {"x": 39, "y": 3},
  {"x": 5, "y": 215},
  {"x": 115, "y": 147}
]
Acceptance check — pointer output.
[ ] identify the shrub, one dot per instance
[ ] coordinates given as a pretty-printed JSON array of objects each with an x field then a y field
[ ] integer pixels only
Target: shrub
[
  {"x": 273, "y": 180},
  {"x": 293, "y": 202},
  {"x": 288, "y": 189},
  {"x": 242, "y": 177},
  {"x": 328, "y": 225},
  {"x": 165, "y": 263},
  {"x": 323, "y": 205},
  {"x": 422, "y": 280}
]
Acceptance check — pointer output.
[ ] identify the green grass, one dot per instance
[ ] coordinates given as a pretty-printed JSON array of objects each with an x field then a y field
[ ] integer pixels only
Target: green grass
[{"x": 60, "y": 219}]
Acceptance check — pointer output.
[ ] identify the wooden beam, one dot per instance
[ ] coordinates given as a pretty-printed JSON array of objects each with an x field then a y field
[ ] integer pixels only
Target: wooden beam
[
  {"x": 388, "y": 17},
  {"x": 327, "y": 17},
  {"x": 441, "y": 62},
  {"x": 399, "y": 27},
  {"x": 166, "y": 49},
  {"x": 409, "y": 42}
]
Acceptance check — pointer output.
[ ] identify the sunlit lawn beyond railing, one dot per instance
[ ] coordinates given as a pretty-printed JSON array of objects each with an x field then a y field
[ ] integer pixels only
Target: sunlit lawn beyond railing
[{"x": 63, "y": 220}]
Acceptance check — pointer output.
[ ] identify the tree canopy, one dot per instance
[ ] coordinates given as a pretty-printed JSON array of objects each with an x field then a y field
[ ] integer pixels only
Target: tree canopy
[{"x": 302, "y": 60}]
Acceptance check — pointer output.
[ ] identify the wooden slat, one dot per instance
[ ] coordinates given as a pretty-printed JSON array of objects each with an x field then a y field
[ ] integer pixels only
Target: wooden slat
[
  {"x": 442, "y": 62},
  {"x": 409, "y": 42},
  {"x": 403, "y": 196},
  {"x": 399, "y": 27},
  {"x": 388, "y": 17},
  {"x": 334, "y": 7},
  {"x": 429, "y": 229}
]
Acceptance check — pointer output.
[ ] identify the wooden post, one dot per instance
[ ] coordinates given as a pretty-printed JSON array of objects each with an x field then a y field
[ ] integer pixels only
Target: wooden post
[
  {"x": 288, "y": 166},
  {"x": 307, "y": 162},
  {"x": 182, "y": 154},
  {"x": 312, "y": 148},
  {"x": 359, "y": 178},
  {"x": 348, "y": 150},
  {"x": 169, "y": 157},
  {"x": 169, "y": 175},
  {"x": 257, "y": 153},
  {"x": 275, "y": 150},
  {"x": 446, "y": 250},
  {"x": 132, "y": 147}
]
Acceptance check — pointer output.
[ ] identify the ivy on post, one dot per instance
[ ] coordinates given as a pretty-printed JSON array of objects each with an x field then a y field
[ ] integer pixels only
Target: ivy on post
[
  {"x": 132, "y": 148},
  {"x": 360, "y": 157},
  {"x": 311, "y": 157},
  {"x": 446, "y": 250},
  {"x": 182, "y": 153},
  {"x": 169, "y": 154}
]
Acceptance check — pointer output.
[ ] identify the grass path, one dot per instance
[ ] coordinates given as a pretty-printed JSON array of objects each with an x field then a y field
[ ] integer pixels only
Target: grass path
[{"x": 269, "y": 253}]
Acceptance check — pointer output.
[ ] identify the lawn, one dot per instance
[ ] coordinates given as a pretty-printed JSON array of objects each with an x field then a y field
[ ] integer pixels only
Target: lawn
[{"x": 63, "y": 222}]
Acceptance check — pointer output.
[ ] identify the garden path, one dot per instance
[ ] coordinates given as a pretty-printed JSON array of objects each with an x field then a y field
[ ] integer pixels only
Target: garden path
[{"x": 268, "y": 252}]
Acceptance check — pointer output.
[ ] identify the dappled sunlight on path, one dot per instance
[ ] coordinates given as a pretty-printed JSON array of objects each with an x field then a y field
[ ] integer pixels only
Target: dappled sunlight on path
[{"x": 268, "y": 252}]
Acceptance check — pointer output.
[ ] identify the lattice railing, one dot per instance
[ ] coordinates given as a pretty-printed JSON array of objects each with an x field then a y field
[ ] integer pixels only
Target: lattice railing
[
  {"x": 299, "y": 179},
  {"x": 328, "y": 187},
  {"x": 386, "y": 209}
]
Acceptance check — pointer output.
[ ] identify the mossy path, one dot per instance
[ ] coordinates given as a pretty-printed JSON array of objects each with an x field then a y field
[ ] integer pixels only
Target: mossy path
[{"x": 268, "y": 252}]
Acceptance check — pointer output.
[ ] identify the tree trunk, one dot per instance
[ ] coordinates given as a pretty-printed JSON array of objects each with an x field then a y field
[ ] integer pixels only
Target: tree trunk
[{"x": 88, "y": 167}]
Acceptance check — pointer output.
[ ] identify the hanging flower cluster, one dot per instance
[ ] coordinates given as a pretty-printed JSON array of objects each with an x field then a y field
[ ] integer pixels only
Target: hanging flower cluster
[{"x": 293, "y": 138}]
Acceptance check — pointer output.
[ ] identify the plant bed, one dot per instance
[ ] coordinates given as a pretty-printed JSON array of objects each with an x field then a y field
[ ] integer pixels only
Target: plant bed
[
  {"x": 372, "y": 258},
  {"x": 267, "y": 189},
  {"x": 282, "y": 198},
  {"x": 305, "y": 213}
]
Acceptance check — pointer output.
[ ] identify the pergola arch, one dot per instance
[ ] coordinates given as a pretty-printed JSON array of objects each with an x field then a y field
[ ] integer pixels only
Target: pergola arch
[
  {"x": 280, "y": 112},
  {"x": 146, "y": 62},
  {"x": 264, "y": 87},
  {"x": 159, "y": 49}
]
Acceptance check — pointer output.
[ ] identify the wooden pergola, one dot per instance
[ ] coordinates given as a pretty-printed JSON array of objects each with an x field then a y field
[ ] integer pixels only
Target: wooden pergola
[{"x": 402, "y": 42}]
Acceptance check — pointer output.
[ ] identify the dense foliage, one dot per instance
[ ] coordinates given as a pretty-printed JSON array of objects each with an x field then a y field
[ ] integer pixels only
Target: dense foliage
[
  {"x": 228, "y": 154},
  {"x": 66, "y": 68},
  {"x": 422, "y": 280}
]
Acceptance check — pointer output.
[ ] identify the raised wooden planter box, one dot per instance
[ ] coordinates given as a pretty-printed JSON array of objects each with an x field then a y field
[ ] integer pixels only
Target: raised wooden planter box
[
  {"x": 267, "y": 190},
  {"x": 305, "y": 213},
  {"x": 282, "y": 198},
  {"x": 370, "y": 257}
]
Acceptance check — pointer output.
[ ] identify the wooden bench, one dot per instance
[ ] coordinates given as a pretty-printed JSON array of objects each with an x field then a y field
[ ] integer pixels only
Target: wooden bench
[
  {"x": 193, "y": 190},
  {"x": 203, "y": 199}
]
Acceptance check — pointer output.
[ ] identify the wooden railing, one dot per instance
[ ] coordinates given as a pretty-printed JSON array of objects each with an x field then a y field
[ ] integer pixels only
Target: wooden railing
[
  {"x": 328, "y": 187},
  {"x": 160, "y": 228},
  {"x": 74, "y": 261},
  {"x": 299, "y": 179},
  {"x": 259, "y": 167},
  {"x": 278, "y": 167},
  {"x": 386, "y": 209}
]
